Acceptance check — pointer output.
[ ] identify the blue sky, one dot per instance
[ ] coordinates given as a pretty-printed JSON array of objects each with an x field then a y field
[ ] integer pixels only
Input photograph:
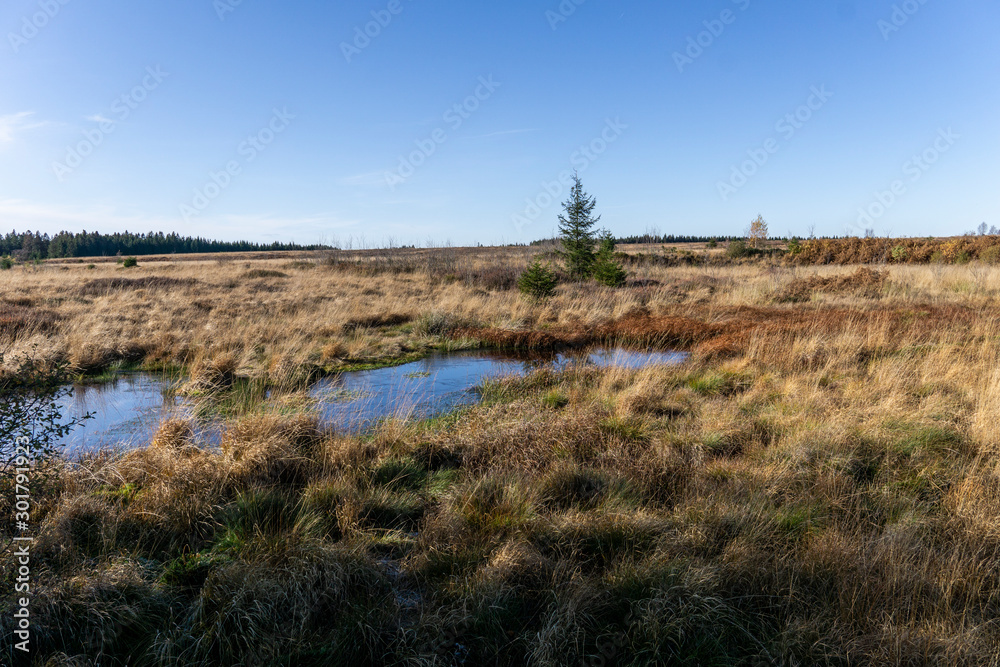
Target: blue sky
[{"x": 458, "y": 121}]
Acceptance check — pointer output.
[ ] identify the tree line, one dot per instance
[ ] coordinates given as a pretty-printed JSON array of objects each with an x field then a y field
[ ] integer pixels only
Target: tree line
[
  {"x": 672, "y": 238},
  {"x": 27, "y": 246},
  {"x": 665, "y": 239}
]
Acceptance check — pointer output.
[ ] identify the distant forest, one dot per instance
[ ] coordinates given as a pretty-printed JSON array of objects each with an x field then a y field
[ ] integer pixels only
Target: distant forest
[
  {"x": 655, "y": 238},
  {"x": 33, "y": 245},
  {"x": 671, "y": 238},
  {"x": 27, "y": 246}
]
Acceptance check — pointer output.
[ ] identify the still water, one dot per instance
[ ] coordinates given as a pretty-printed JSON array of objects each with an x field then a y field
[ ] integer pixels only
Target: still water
[{"x": 128, "y": 411}]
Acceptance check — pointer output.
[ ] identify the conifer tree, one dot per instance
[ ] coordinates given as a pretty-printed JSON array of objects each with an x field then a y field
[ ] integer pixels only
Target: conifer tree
[
  {"x": 606, "y": 270},
  {"x": 538, "y": 281},
  {"x": 576, "y": 226}
]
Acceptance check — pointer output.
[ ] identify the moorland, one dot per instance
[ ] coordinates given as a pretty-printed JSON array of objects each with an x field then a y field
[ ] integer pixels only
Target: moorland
[{"x": 818, "y": 484}]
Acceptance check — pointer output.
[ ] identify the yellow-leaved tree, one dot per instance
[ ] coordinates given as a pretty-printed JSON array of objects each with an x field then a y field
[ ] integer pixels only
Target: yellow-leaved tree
[{"x": 757, "y": 234}]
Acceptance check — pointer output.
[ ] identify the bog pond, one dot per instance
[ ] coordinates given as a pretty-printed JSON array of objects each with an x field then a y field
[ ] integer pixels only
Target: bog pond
[{"x": 128, "y": 411}]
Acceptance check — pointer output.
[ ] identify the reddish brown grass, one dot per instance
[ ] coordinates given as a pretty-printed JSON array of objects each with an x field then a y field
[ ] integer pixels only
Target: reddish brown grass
[
  {"x": 865, "y": 283},
  {"x": 731, "y": 331},
  {"x": 21, "y": 318}
]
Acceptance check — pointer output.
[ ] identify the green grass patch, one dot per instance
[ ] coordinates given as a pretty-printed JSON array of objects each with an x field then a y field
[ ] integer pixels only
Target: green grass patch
[
  {"x": 911, "y": 439},
  {"x": 440, "y": 482},
  {"x": 383, "y": 508},
  {"x": 598, "y": 540},
  {"x": 495, "y": 507},
  {"x": 388, "y": 362},
  {"x": 799, "y": 520},
  {"x": 392, "y": 543},
  {"x": 510, "y": 389},
  {"x": 719, "y": 383},
  {"x": 123, "y": 494},
  {"x": 629, "y": 429},
  {"x": 110, "y": 372},
  {"x": 325, "y": 499},
  {"x": 404, "y": 473},
  {"x": 189, "y": 571},
  {"x": 266, "y": 518},
  {"x": 555, "y": 400}
]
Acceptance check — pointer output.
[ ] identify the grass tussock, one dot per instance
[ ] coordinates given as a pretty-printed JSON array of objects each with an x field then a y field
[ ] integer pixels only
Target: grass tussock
[{"x": 865, "y": 283}]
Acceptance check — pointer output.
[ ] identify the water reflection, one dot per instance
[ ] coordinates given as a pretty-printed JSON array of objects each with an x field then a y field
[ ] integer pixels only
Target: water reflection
[{"x": 129, "y": 411}]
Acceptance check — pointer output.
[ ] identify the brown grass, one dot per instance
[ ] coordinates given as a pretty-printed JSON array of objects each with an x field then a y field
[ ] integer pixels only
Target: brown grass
[
  {"x": 20, "y": 317},
  {"x": 865, "y": 283},
  {"x": 107, "y": 286},
  {"x": 817, "y": 485},
  {"x": 365, "y": 307}
]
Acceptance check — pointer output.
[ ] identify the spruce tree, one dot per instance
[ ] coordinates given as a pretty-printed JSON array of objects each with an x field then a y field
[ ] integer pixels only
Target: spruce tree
[
  {"x": 606, "y": 270},
  {"x": 576, "y": 226},
  {"x": 538, "y": 282}
]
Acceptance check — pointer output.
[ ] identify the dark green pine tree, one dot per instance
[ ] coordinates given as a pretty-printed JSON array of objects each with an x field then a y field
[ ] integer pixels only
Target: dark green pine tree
[
  {"x": 538, "y": 281},
  {"x": 576, "y": 228},
  {"x": 607, "y": 271}
]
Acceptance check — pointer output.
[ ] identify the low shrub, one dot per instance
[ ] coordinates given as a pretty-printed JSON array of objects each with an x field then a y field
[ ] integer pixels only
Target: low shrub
[
  {"x": 538, "y": 281},
  {"x": 609, "y": 273},
  {"x": 31, "y": 419},
  {"x": 738, "y": 250},
  {"x": 990, "y": 255}
]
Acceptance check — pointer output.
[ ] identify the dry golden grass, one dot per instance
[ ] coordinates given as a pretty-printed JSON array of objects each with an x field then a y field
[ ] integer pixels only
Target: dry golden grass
[
  {"x": 818, "y": 485},
  {"x": 244, "y": 318}
]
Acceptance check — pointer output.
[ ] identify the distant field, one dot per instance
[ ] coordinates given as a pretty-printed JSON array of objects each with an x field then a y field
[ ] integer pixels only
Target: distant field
[
  {"x": 948, "y": 250},
  {"x": 819, "y": 484}
]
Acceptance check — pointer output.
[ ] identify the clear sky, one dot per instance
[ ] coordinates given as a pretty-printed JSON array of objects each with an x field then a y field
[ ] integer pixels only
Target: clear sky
[{"x": 269, "y": 120}]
